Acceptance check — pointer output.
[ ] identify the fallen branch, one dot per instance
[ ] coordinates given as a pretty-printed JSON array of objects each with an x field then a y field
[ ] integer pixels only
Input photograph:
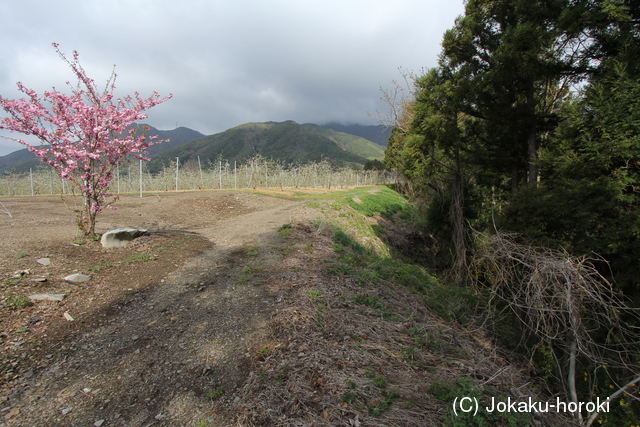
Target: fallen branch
[{"x": 5, "y": 210}]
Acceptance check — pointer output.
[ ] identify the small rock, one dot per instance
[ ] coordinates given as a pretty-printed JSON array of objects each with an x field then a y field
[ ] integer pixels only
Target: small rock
[
  {"x": 44, "y": 261},
  {"x": 48, "y": 297},
  {"x": 159, "y": 416},
  {"x": 18, "y": 274},
  {"x": 77, "y": 278},
  {"x": 34, "y": 321},
  {"x": 68, "y": 316},
  {"x": 13, "y": 412},
  {"x": 65, "y": 411},
  {"x": 39, "y": 279},
  {"x": 98, "y": 423}
]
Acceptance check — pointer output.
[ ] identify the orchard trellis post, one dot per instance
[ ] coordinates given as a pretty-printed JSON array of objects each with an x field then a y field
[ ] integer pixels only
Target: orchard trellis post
[
  {"x": 245, "y": 175},
  {"x": 177, "y": 167}
]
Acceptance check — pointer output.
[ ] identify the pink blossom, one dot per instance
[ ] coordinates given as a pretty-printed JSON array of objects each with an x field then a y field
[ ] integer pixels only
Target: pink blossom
[{"x": 82, "y": 135}]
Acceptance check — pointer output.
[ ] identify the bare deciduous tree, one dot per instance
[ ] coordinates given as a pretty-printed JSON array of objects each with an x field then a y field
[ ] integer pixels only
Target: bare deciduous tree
[{"x": 400, "y": 99}]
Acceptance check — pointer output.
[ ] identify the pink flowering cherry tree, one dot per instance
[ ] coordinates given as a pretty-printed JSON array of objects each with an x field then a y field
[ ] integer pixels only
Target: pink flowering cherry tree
[{"x": 86, "y": 135}]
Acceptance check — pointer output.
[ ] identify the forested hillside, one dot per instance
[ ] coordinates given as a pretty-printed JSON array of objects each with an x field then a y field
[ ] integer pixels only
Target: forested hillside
[
  {"x": 378, "y": 134},
  {"x": 524, "y": 147},
  {"x": 288, "y": 142}
]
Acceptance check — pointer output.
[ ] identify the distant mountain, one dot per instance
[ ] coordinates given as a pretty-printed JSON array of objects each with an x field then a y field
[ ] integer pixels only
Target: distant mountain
[
  {"x": 378, "y": 134},
  {"x": 20, "y": 161},
  {"x": 19, "y": 157},
  {"x": 352, "y": 143},
  {"x": 287, "y": 141},
  {"x": 176, "y": 137}
]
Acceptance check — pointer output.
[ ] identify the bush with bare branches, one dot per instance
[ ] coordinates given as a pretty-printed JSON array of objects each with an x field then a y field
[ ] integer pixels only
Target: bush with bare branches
[{"x": 566, "y": 305}]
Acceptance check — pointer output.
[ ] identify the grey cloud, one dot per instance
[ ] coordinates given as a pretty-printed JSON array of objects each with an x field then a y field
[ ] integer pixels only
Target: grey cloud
[{"x": 228, "y": 62}]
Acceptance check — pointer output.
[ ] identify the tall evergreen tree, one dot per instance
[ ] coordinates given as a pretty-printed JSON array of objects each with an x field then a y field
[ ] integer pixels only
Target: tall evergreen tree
[{"x": 516, "y": 58}]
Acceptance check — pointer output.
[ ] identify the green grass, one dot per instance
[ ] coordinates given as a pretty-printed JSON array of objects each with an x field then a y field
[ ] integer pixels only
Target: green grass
[
  {"x": 99, "y": 267},
  {"x": 215, "y": 393},
  {"x": 11, "y": 281},
  {"x": 138, "y": 258},
  {"x": 371, "y": 265},
  {"x": 344, "y": 240},
  {"x": 385, "y": 201},
  {"x": 285, "y": 231},
  {"x": 17, "y": 303}
]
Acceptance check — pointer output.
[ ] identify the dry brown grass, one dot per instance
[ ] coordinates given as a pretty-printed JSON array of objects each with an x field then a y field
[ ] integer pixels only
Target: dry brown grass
[{"x": 343, "y": 352}]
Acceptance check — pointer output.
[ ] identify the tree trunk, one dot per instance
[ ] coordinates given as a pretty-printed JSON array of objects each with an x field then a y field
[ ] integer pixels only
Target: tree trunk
[
  {"x": 573, "y": 304},
  {"x": 457, "y": 219},
  {"x": 532, "y": 175}
]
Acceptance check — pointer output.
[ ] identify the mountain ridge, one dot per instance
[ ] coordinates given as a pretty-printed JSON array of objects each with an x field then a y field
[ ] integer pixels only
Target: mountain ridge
[
  {"x": 287, "y": 142},
  {"x": 21, "y": 161}
]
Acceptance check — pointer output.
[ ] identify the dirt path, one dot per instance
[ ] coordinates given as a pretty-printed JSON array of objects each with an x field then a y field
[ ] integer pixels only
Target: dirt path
[{"x": 171, "y": 354}]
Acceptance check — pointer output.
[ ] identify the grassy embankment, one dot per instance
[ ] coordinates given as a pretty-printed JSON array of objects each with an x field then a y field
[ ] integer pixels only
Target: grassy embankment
[{"x": 368, "y": 333}]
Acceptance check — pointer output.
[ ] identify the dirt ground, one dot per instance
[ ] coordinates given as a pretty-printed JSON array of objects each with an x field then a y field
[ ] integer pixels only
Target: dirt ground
[
  {"x": 165, "y": 323},
  {"x": 220, "y": 316}
]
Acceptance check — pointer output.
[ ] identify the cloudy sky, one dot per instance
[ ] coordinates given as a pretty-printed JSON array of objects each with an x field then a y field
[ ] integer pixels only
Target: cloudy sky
[{"x": 227, "y": 62}]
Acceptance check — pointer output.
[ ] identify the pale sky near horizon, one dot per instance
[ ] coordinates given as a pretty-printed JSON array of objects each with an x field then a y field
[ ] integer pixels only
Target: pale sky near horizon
[{"x": 227, "y": 62}]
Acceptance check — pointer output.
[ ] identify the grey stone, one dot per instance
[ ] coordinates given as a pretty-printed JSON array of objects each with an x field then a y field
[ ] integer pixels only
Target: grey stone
[
  {"x": 48, "y": 297},
  {"x": 119, "y": 237},
  {"x": 77, "y": 278},
  {"x": 44, "y": 261}
]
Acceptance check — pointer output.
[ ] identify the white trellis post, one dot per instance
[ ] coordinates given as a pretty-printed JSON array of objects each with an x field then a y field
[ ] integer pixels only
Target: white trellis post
[
  {"x": 201, "y": 180},
  {"x": 31, "y": 180},
  {"x": 177, "y": 168},
  {"x": 140, "y": 178}
]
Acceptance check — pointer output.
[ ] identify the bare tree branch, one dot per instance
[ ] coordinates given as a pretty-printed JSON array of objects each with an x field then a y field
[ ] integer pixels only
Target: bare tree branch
[{"x": 564, "y": 302}]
